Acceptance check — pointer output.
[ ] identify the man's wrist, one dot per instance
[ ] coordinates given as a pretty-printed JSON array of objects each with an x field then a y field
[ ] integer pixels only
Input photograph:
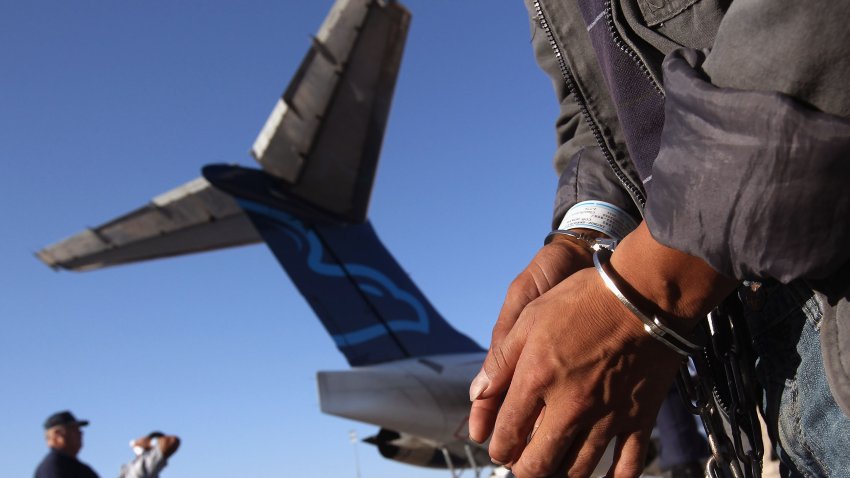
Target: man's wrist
[
  {"x": 579, "y": 239},
  {"x": 678, "y": 287},
  {"x": 143, "y": 442},
  {"x": 655, "y": 327},
  {"x": 599, "y": 216},
  {"x": 587, "y": 239}
]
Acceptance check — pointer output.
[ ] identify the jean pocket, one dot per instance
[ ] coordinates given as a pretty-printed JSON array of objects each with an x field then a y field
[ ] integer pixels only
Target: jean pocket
[
  {"x": 772, "y": 309},
  {"x": 799, "y": 408}
]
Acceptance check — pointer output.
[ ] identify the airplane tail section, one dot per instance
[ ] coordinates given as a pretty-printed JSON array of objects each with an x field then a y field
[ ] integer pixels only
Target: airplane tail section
[
  {"x": 319, "y": 153},
  {"x": 322, "y": 141},
  {"x": 323, "y": 137},
  {"x": 368, "y": 304}
]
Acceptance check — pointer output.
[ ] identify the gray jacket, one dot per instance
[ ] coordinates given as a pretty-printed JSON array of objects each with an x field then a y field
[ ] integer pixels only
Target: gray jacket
[{"x": 726, "y": 125}]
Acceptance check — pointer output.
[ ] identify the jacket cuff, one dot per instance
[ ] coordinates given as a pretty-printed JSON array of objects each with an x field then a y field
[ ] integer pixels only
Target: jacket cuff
[
  {"x": 589, "y": 178},
  {"x": 754, "y": 183}
]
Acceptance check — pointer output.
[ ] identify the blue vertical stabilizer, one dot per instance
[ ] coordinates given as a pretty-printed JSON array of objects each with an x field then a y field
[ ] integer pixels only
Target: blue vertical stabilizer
[{"x": 367, "y": 303}]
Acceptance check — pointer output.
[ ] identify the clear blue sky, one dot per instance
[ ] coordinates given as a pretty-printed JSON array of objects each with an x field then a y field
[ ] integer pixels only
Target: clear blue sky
[{"x": 104, "y": 105}]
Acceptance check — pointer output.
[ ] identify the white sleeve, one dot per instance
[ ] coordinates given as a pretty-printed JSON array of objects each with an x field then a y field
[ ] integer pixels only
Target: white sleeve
[{"x": 146, "y": 465}]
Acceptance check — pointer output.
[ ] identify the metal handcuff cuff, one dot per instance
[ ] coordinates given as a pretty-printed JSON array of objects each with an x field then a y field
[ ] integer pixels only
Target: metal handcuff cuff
[
  {"x": 602, "y": 249},
  {"x": 721, "y": 391},
  {"x": 590, "y": 242}
]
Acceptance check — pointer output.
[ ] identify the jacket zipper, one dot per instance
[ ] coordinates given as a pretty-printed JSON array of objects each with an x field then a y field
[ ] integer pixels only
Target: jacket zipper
[
  {"x": 625, "y": 48},
  {"x": 585, "y": 112}
]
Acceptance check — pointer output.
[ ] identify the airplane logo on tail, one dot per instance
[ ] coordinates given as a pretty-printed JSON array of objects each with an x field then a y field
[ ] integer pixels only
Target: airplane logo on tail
[{"x": 303, "y": 236}]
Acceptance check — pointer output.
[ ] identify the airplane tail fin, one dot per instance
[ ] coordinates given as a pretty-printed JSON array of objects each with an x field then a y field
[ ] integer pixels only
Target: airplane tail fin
[
  {"x": 319, "y": 152},
  {"x": 324, "y": 135},
  {"x": 368, "y": 304}
]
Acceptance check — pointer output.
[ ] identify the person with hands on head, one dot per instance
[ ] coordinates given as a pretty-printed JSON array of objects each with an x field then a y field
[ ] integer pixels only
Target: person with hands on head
[
  {"x": 724, "y": 128},
  {"x": 152, "y": 453}
]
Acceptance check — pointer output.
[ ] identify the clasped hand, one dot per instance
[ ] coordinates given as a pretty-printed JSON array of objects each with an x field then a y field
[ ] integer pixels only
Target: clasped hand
[{"x": 568, "y": 371}]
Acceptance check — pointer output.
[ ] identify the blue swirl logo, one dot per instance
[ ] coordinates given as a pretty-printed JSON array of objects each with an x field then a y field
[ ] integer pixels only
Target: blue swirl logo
[{"x": 305, "y": 237}]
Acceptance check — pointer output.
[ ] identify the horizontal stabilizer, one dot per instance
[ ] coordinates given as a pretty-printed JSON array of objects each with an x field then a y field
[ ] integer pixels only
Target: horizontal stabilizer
[
  {"x": 321, "y": 143},
  {"x": 194, "y": 217}
]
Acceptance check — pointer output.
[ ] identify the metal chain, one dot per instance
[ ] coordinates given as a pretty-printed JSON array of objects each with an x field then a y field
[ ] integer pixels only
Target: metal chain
[{"x": 722, "y": 394}]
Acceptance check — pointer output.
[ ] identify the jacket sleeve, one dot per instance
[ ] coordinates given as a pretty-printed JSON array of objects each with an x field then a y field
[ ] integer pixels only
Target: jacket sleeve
[
  {"x": 584, "y": 173},
  {"x": 754, "y": 162}
]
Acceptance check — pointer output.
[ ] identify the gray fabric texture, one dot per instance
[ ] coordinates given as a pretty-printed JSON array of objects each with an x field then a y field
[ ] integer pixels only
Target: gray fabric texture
[
  {"x": 799, "y": 48},
  {"x": 588, "y": 177},
  {"x": 765, "y": 168},
  {"x": 578, "y": 153},
  {"x": 675, "y": 23},
  {"x": 754, "y": 183},
  {"x": 656, "y": 12}
]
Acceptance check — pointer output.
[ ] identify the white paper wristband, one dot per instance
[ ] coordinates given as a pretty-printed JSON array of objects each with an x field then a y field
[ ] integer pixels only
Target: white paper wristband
[{"x": 599, "y": 216}]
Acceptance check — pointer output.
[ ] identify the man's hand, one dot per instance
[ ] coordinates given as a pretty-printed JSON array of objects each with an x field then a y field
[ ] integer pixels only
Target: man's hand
[
  {"x": 144, "y": 442},
  {"x": 577, "y": 353},
  {"x": 167, "y": 444},
  {"x": 551, "y": 265},
  {"x": 575, "y": 370}
]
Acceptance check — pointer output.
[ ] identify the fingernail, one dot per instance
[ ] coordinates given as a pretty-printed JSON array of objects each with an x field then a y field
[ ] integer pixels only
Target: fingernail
[
  {"x": 478, "y": 385},
  {"x": 497, "y": 463}
]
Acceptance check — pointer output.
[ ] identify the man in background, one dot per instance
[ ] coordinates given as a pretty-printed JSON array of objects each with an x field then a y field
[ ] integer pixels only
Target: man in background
[
  {"x": 64, "y": 437},
  {"x": 152, "y": 453}
]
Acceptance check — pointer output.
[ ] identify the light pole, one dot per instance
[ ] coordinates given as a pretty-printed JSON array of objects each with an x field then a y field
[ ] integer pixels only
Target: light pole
[{"x": 352, "y": 435}]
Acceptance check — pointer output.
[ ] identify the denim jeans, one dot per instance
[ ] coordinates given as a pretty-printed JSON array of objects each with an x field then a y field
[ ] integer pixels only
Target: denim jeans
[{"x": 809, "y": 430}]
